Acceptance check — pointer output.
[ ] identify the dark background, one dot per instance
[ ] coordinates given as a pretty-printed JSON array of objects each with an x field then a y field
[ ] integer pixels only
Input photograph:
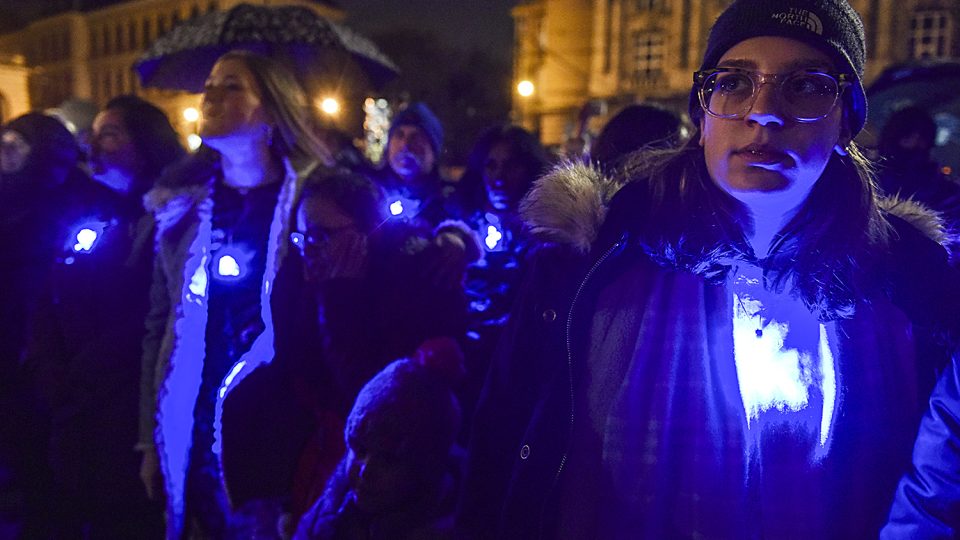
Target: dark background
[{"x": 455, "y": 55}]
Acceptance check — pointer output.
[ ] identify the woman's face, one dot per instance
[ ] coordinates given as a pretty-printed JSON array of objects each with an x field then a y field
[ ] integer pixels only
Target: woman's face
[
  {"x": 505, "y": 177},
  {"x": 114, "y": 159},
  {"x": 767, "y": 155},
  {"x": 14, "y": 152},
  {"x": 232, "y": 106},
  {"x": 332, "y": 246}
]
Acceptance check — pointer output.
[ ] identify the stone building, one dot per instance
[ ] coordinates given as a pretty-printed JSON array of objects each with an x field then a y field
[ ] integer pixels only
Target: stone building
[
  {"x": 14, "y": 90},
  {"x": 588, "y": 58},
  {"x": 89, "y": 54}
]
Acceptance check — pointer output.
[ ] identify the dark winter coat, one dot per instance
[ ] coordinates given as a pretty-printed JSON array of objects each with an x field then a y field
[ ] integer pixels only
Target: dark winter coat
[
  {"x": 525, "y": 425},
  {"x": 329, "y": 343},
  {"x": 174, "y": 346}
]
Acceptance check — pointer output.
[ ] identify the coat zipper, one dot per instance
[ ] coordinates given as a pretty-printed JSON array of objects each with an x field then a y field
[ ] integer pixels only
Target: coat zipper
[{"x": 576, "y": 297}]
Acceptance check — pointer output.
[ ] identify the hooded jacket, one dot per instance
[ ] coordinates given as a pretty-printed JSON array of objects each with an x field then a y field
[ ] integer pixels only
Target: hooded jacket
[
  {"x": 174, "y": 347},
  {"x": 527, "y": 421}
]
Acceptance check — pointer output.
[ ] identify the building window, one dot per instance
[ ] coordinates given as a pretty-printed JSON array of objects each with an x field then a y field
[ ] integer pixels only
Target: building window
[
  {"x": 194, "y": 11},
  {"x": 930, "y": 34},
  {"x": 648, "y": 48},
  {"x": 652, "y": 5}
]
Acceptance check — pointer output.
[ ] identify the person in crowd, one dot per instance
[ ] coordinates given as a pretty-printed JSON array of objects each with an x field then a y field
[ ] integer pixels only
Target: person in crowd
[
  {"x": 907, "y": 170},
  {"x": 89, "y": 327},
  {"x": 365, "y": 290},
  {"x": 501, "y": 169},
  {"x": 41, "y": 186},
  {"x": 725, "y": 346},
  {"x": 410, "y": 176},
  {"x": 222, "y": 223},
  {"x": 632, "y": 128},
  {"x": 398, "y": 478}
]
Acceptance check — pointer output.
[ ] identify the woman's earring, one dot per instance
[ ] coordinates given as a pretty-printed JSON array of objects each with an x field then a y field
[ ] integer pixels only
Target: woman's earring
[{"x": 840, "y": 150}]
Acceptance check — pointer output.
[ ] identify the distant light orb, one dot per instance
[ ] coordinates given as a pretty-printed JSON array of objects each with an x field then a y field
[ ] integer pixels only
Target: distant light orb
[
  {"x": 191, "y": 114},
  {"x": 525, "y": 88},
  {"x": 396, "y": 208},
  {"x": 194, "y": 141},
  {"x": 330, "y": 106},
  {"x": 85, "y": 239},
  {"x": 227, "y": 266}
]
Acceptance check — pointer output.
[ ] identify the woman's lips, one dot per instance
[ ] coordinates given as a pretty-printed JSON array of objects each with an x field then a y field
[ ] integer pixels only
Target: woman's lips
[{"x": 762, "y": 155}]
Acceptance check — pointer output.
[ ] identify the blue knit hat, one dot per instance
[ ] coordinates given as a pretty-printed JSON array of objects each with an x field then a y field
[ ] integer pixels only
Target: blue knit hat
[
  {"x": 831, "y": 26},
  {"x": 418, "y": 114}
]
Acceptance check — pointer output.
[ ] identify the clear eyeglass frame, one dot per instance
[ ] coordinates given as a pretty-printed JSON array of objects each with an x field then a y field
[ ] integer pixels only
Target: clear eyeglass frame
[{"x": 702, "y": 79}]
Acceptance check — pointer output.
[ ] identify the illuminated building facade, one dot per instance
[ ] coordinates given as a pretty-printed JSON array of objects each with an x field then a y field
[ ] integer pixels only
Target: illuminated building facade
[
  {"x": 14, "y": 89},
  {"x": 89, "y": 55},
  {"x": 588, "y": 58}
]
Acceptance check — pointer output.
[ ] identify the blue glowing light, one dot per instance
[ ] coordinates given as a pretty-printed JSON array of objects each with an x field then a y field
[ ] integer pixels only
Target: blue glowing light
[
  {"x": 401, "y": 206},
  {"x": 494, "y": 236},
  {"x": 227, "y": 266},
  {"x": 298, "y": 239},
  {"x": 84, "y": 238},
  {"x": 231, "y": 263}
]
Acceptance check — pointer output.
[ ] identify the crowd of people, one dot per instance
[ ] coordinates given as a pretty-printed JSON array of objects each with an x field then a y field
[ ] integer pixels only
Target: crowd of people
[{"x": 741, "y": 326}]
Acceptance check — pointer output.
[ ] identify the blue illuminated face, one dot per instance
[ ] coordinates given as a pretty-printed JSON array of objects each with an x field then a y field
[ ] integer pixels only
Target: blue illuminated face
[
  {"x": 766, "y": 155},
  {"x": 409, "y": 153}
]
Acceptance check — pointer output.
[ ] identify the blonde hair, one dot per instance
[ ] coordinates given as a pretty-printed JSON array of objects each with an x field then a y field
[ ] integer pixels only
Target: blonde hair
[{"x": 286, "y": 102}]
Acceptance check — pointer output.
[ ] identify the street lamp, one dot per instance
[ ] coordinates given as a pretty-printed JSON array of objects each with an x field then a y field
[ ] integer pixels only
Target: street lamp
[
  {"x": 525, "y": 88},
  {"x": 330, "y": 106}
]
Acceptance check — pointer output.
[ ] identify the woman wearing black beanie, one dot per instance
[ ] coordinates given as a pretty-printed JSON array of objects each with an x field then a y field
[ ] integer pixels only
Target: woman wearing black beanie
[{"x": 731, "y": 339}]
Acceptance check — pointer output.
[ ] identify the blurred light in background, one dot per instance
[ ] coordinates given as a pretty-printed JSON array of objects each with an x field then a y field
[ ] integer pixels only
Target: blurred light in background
[
  {"x": 330, "y": 106},
  {"x": 525, "y": 88},
  {"x": 191, "y": 114}
]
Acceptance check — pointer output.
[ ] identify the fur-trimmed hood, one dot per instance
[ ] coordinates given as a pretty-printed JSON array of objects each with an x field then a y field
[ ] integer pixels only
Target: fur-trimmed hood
[{"x": 569, "y": 205}]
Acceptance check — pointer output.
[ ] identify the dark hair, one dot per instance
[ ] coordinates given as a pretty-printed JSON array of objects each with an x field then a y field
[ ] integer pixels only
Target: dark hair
[
  {"x": 635, "y": 126},
  {"x": 353, "y": 193},
  {"x": 156, "y": 141},
  {"x": 527, "y": 149},
  {"x": 286, "y": 103},
  {"x": 903, "y": 122},
  {"x": 691, "y": 223}
]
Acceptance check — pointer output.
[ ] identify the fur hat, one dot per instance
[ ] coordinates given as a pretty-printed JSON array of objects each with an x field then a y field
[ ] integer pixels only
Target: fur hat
[
  {"x": 831, "y": 26},
  {"x": 418, "y": 114}
]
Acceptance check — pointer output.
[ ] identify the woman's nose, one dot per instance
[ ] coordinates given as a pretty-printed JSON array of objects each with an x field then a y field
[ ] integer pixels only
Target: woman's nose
[{"x": 766, "y": 109}]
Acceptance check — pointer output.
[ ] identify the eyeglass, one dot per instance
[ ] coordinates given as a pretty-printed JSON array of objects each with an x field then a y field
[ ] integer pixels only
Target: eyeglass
[
  {"x": 317, "y": 236},
  {"x": 805, "y": 95}
]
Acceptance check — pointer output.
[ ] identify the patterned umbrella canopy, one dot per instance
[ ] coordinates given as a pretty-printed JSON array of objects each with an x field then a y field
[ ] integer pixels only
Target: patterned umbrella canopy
[{"x": 308, "y": 42}]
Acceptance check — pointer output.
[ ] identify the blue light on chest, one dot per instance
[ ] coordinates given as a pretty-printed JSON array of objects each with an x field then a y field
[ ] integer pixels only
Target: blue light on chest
[
  {"x": 85, "y": 237},
  {"x": 402, "y": 207},
  {"x": 493, "y": 233},
  {"x": 231, "y": 263}
]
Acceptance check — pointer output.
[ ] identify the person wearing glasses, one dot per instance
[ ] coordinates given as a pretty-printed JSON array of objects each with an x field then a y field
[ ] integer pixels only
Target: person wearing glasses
[
  {"x": 732, "y": 339},
  {"x": 358, "y": 291}
]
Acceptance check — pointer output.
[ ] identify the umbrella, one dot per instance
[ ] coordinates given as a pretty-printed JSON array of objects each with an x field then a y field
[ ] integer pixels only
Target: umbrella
[
  {"x": 933, "y": 85},
  {"x": 311, "y": 44}
]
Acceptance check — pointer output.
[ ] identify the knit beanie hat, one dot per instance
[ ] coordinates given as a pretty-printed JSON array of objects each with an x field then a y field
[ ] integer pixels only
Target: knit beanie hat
[
  {"x": 831, "y": 26},
  {"x": 418, "y": 114},
  {"x": 52, "y": 144},
  {"x": 414, "y": 396}
]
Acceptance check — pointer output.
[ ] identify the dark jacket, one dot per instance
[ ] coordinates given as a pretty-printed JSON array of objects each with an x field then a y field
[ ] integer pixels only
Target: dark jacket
[
  {"x": 328, "y": 345},
  {"x": 524, "y": 426}
]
